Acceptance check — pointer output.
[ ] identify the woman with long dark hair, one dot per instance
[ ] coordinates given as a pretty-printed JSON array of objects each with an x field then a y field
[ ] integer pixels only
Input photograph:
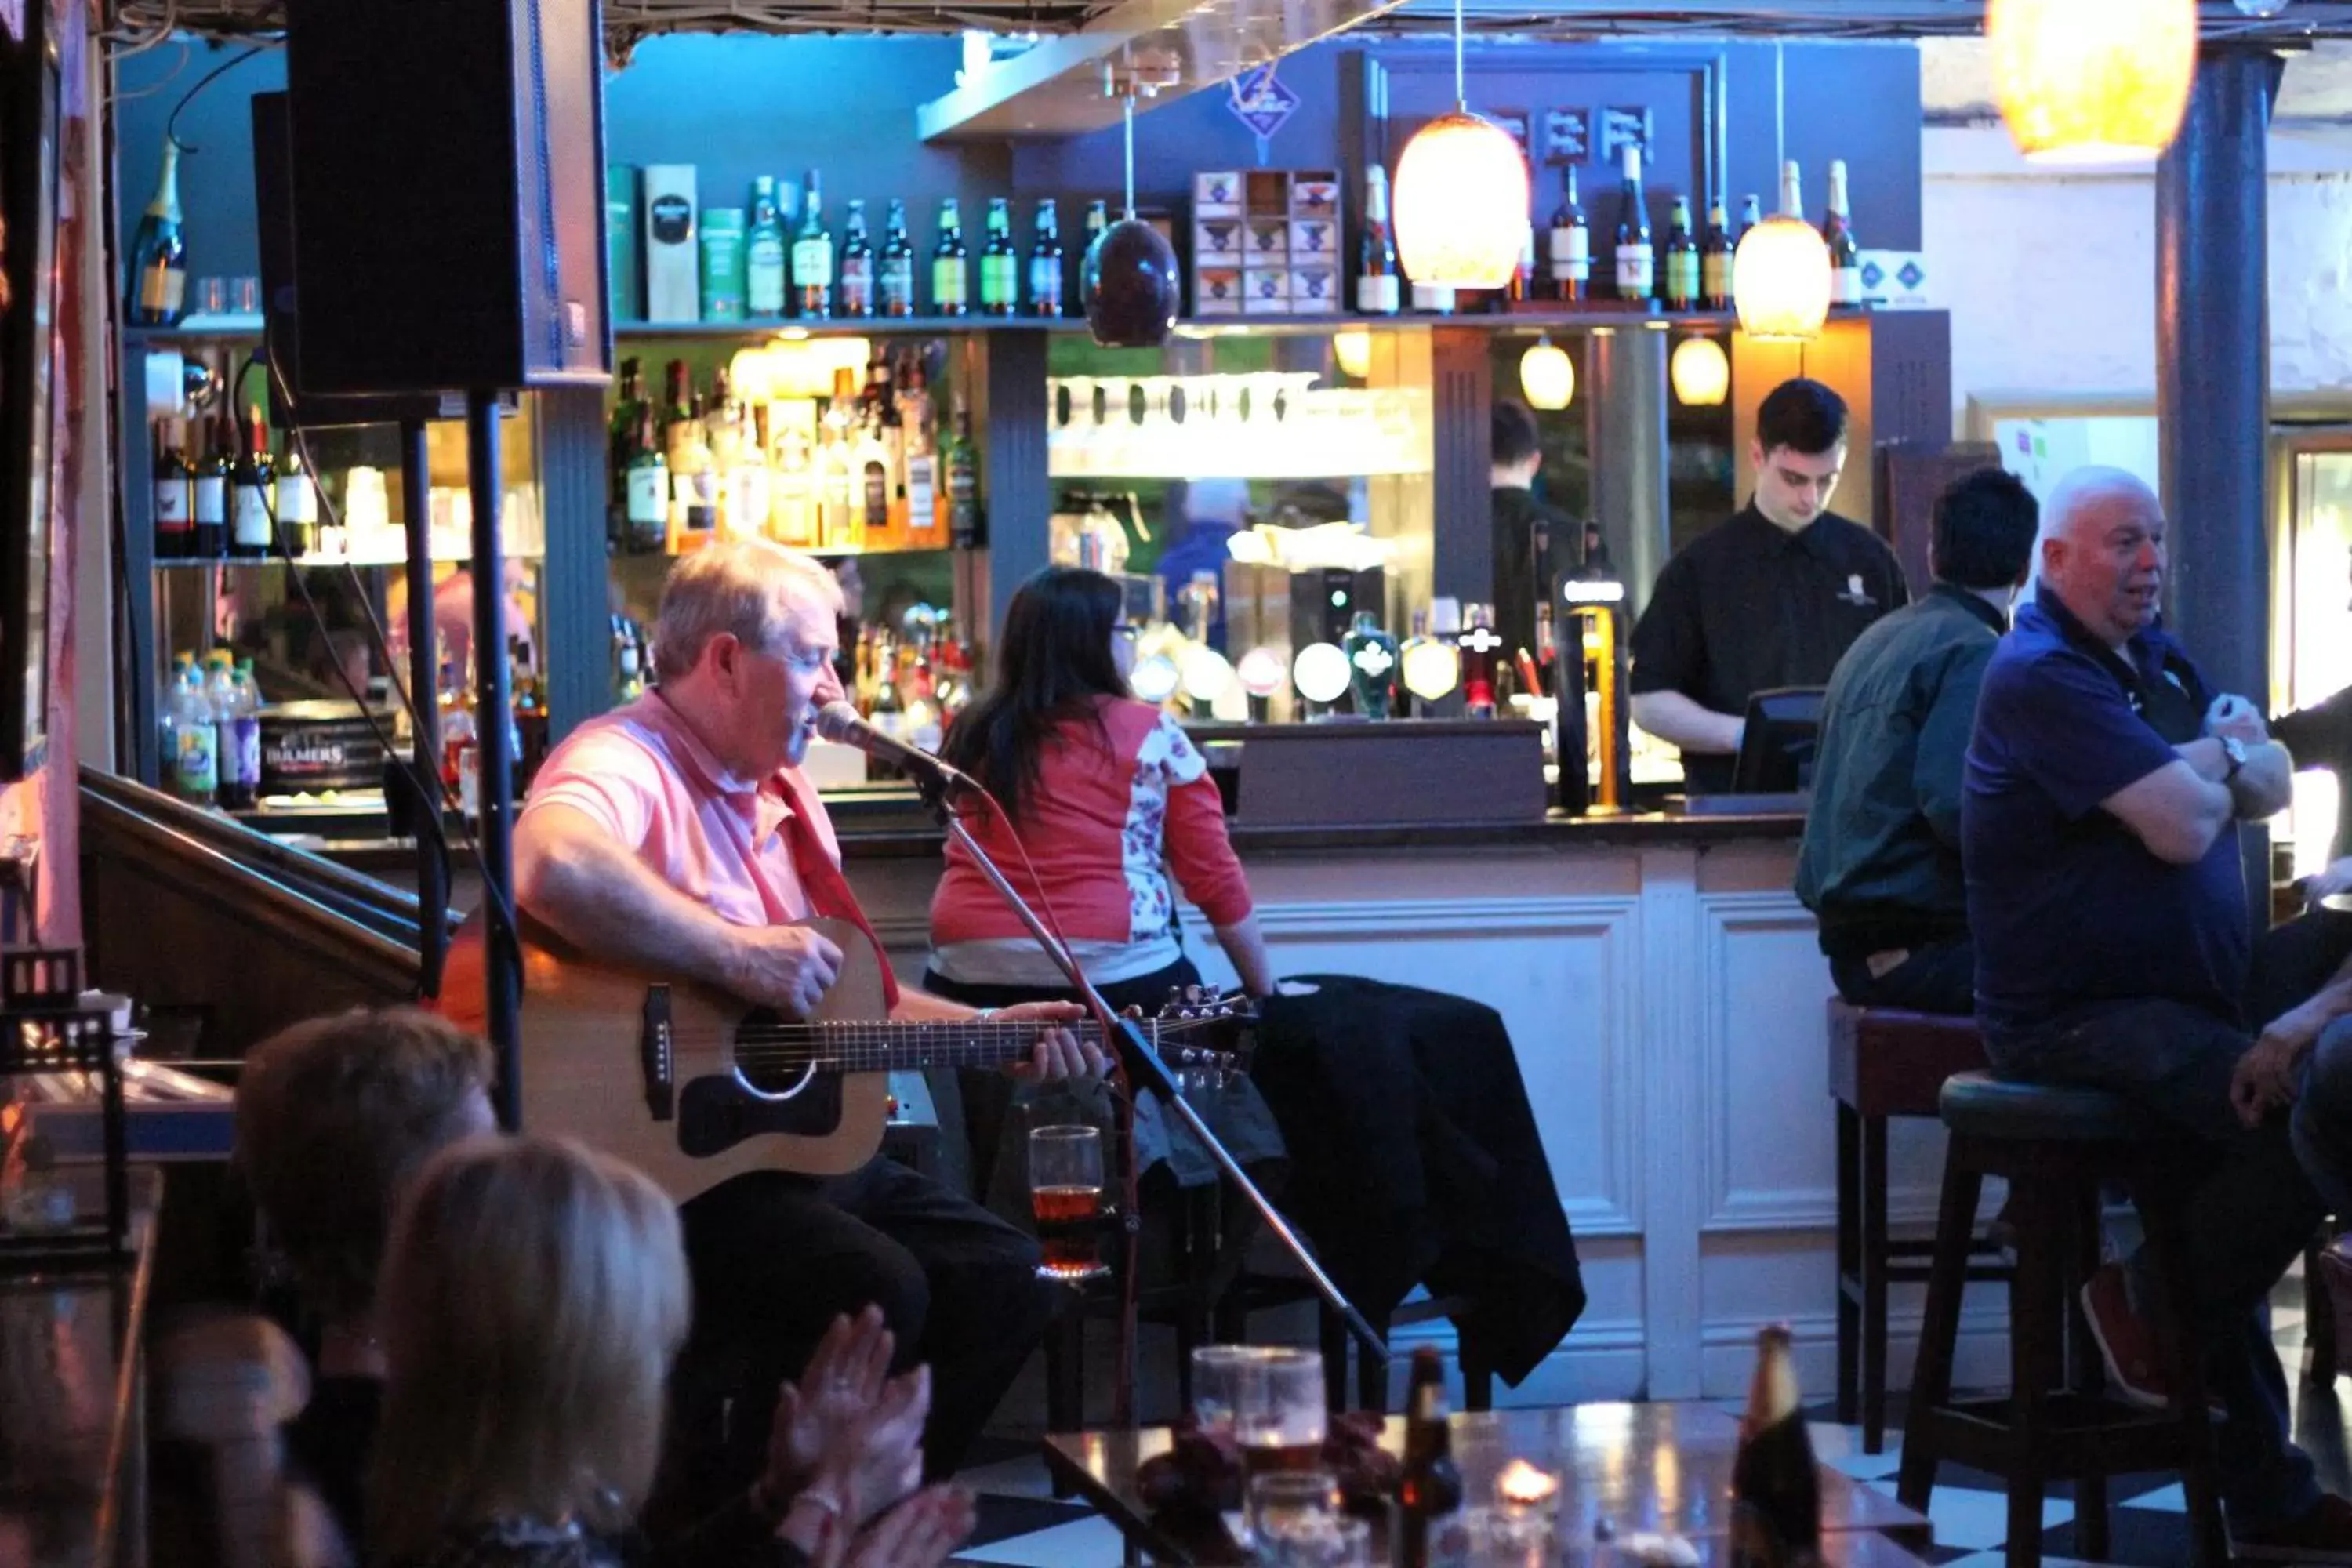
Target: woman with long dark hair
[{"x": 1101, "y": 789}]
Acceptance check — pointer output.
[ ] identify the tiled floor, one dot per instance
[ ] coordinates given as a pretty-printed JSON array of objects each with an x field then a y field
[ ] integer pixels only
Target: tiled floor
[{"x": 1020, "y": 1523}]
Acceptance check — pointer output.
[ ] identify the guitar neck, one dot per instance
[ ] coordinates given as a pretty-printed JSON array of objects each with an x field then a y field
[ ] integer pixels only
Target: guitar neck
[{"x": 907, "y": 1047}]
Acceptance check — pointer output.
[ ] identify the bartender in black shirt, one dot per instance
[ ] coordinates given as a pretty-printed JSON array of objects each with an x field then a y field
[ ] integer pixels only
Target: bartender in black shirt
[
  {"x": 1773, "y": 597},
  {"x": 1532, "y": 540}
]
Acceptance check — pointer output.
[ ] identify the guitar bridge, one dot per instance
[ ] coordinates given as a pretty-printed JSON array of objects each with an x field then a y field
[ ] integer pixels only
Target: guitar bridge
[{"x": 657, "y": 1054}]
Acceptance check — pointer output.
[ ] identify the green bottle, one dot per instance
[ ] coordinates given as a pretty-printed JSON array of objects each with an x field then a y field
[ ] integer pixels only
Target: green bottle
[
  {"x": 950, "y": 276},
  {"x": 763, "y": 267},
  {"x": 999, "y": 268}
]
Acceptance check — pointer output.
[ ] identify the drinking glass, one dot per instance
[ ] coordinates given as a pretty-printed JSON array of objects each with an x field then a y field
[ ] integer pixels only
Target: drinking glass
[
  {"x": 1295, "y": 1523},
  {"x": 212, "y": 295},
  {"x": 245, "y": 294},
  {"x": 1066, "y": 1185}
]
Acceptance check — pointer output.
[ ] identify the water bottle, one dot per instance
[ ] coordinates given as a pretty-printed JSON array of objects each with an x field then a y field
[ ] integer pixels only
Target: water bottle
[
  {"x": 196, "y": 743},
  {"x": 220, "y": 697},
  {"x": 242, "y": 759},
  {"x": 167, "y": 703}
]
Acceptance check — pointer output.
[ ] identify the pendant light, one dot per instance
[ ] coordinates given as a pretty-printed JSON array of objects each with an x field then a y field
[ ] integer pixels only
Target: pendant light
[
  {"x": 2093, "y": 81},
  {"x": 1701, "y": 373},
  {"x": 1782, "y": 278},
  {"x": 1547, "y": 375},
  {"x": 1462, "y": 196},
  {"x": 1128, "y": 278}
]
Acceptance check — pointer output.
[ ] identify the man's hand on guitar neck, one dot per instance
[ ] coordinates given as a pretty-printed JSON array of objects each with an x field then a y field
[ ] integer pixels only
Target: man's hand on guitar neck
[
  {"x": 1060, "y": 1053},
  {"x": 788, "y": 967}
]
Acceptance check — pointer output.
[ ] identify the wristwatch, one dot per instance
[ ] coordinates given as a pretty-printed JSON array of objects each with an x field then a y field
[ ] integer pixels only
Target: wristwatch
[{"x": 2235, "y": 750}]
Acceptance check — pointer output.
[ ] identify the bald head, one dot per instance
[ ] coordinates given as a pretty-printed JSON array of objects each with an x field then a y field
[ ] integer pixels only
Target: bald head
[{"x": 2103, "y": 551}]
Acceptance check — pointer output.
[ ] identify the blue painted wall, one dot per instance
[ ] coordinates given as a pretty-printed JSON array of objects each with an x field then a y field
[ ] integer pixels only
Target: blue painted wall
[{"x": 740, "y": 106}]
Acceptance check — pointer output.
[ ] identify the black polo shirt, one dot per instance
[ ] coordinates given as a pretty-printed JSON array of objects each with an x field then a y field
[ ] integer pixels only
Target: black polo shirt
[
  {"x": 1532, "y": 542},
  {"x": 1747, "y": 606}
]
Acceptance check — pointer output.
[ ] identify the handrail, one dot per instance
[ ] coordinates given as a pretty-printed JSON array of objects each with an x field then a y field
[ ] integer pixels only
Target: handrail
[{"x": 266, "y": 900}]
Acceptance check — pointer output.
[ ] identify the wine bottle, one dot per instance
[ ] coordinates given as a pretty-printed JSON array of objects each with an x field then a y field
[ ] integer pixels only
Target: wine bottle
[
  {"x": 1636, "y": 256},
  {"x": 813, "y": 257},
  {"x": 856, "y": 263},
  {"x": 249, "y": 493},
  {"x": 646, "y": 479},
  {"x": 297, "y": 503},
  {"x": 1571, "y": 244},
  {"x": 1776, "y": 1497},
  {"x": 1429, "y": 1483},
  {"x": 897, "y": 283},
  {"x": 999, "y": 266},
  {"x": 159, "y": 255},
  {"x": 1682, "y": 259},
  {"x": 209, "y": 495},
  {"x": 950, "y": 273},
  {"x": 174, "y": 504},
  {"x": 1837, "y": 233},
  {"x": 1046, "y": 262},
  {"x": 1715, "y": 260},
  {"x": 764, "y": 253},
  {"x": 1379, "y": 287}
]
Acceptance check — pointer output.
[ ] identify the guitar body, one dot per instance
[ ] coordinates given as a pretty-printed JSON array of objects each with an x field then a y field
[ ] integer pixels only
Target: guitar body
[{"x": 594, "y": 1040}]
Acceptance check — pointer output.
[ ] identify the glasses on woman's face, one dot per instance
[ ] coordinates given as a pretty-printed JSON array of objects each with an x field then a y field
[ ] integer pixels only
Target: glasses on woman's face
[{"x": 1125, "y": 632}]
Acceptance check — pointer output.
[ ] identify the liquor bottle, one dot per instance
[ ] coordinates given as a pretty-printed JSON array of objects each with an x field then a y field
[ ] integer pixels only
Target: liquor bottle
[
  {"x": 176, "y": 516},
  {"x": 1837, "y": 233},
  {"x": 764, "y": 252},
  {"x": 813, "y": 257},
  {"x": 250, "y": 492},
  {"x": 896, "y": 282},
  {"x": 209, "y": 497},
  {"x": 923, "y": 459},
  {"x": 623, "y": 428},
  {"x": 1046, "y": 262},
  {"x": 871, "y": 459},
  {"x": 159, "y": 255},
  {"x": 967, "y": 523},
  {"x": 1682, "y": 259},
  {"x": 1379, "y": 286},
  {"x": 297, "y": 503},
  {"x": 1776, "y": 1498},
  {"x": 1372, "y": 665},
  {"x": 645, "y": 484},
  {"x": 1571, "y": 244},
  {"x": 856, "y": 263},
  {"x": 1715, "y": 260},
  {"x": 951, "y": 274},
  {"x": 840, "y": 518},
  {"x": 999, "y": 265},
  {"x": 890, "y": 428},
  {"x": 1429, "y": 1485},
  {"x": 1636, "y": 257},
  {"x": 1481, "y": 647}
]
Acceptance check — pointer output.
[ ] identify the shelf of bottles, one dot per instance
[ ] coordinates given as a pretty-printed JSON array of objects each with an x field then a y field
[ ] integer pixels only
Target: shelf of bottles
[{"x": 1265, "y": 424}]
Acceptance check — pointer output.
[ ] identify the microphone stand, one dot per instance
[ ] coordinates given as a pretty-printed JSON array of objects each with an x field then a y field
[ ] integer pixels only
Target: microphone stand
[{"x": 1144, "y": 1068}]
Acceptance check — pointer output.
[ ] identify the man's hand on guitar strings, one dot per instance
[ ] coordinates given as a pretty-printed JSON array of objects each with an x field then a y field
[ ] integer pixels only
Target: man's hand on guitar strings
[
  {"x": 1059, "y": 1054},
  {"x": 788, "y": 967}
]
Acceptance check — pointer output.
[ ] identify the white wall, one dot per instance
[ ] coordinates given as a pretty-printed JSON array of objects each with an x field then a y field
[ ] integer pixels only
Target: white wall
[{"x": 2051, "y": 277}]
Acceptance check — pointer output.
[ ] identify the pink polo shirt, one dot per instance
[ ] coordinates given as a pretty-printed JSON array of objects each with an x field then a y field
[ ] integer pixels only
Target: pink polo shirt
[{"x": 640, "y": 774}]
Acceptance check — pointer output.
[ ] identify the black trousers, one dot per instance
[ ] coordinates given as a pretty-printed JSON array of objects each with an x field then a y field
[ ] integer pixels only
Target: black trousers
[
  {"x": 1941, "y": 978},
  {"x": 775, "y": 1257}
]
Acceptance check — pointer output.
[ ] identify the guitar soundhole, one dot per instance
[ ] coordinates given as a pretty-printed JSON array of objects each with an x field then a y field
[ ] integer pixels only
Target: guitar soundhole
[{"x": 714, "y": 1114}]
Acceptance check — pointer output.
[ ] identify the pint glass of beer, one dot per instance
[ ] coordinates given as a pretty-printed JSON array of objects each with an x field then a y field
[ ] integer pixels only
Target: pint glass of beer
[
  {"x": 1066, "y": 1186},
  {"x": 1269, "y": 1397}
]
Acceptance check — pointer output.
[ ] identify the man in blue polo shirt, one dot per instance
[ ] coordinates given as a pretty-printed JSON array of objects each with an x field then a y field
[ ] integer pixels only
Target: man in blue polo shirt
[{"x": 2105, "y": 781}]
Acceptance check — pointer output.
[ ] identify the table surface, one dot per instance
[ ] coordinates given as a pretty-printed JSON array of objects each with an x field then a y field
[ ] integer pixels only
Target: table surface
[
  {"x": 70, "y": 1396},
  {"x": 1659, "y": 1467}
]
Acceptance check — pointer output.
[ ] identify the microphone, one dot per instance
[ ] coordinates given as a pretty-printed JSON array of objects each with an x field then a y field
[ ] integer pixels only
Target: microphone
[{"x": 842, "y": 724}]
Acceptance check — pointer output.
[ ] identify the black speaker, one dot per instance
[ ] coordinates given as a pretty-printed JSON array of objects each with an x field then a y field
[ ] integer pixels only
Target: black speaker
[
  {"x": 294, "y": 403},
  {"x": 449, "y": 193}
]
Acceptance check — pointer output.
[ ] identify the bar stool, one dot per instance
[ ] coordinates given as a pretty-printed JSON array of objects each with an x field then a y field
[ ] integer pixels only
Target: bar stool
[
  {"x": 2055, "y": 1147},
  {"x": 1884, "y": 1063}
]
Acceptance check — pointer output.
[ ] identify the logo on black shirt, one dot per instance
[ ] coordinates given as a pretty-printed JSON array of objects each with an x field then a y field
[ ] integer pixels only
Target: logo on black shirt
[{"x": 1856, "y": 595}]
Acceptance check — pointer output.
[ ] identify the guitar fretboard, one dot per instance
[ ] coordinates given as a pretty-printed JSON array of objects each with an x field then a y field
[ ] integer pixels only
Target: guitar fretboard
[{"x": 899, "y": 1046}]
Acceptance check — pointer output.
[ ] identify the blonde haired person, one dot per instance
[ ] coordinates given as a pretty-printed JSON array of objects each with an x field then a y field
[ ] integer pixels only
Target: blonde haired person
[{"x": 533, "y": 1296}]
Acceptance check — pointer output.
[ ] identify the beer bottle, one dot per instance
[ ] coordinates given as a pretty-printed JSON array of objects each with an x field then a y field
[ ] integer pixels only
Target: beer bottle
[
  {"x": 1429, "y": 1489},
  {"x": 1776, "y": 1499}
]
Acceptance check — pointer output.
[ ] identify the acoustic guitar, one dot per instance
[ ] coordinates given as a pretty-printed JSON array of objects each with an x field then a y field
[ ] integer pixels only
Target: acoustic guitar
[{"x": 693, "y": 1086}]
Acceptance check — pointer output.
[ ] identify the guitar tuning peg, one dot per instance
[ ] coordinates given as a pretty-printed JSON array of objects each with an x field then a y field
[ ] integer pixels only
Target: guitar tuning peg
[{"x": 1132, "y": 1012}]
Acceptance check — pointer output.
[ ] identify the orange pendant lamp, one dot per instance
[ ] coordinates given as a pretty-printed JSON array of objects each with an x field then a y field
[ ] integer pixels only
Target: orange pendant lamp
[{"x": 1462, "y": 196}]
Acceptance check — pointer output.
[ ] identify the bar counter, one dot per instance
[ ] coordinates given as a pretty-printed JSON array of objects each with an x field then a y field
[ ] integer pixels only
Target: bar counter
[{"x": 1665, "y": 995}]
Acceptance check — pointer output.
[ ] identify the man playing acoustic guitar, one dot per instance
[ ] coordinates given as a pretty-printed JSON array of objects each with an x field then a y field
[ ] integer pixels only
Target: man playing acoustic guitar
[{"x": 677, "y": 835}]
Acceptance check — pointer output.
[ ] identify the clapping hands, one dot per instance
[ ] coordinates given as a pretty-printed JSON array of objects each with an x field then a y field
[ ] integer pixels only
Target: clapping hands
[{"x": 849, "y": 1425}]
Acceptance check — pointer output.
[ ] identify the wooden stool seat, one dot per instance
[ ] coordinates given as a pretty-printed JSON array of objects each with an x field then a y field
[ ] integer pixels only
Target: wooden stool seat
[
  {"x": 2056, "y": 1148},
  {"x": 1884, "y": 1062}
]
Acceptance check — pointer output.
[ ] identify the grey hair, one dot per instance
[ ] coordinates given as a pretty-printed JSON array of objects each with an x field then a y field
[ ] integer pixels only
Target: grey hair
[
  {"x": 746, "y": 588},
  {"x": 2073, "y": 495}
]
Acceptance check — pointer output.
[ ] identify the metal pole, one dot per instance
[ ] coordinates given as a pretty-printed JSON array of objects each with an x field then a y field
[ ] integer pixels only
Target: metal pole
[
  {"x": 2212, "y": 357},
  {"x": 502, "y": 960},
  {"x": 424, "y": 689}
]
